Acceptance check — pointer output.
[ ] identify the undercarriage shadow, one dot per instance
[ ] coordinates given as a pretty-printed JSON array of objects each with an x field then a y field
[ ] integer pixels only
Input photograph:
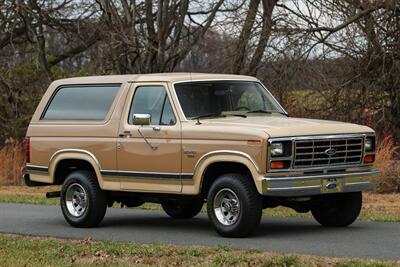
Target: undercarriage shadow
[{"x": 269, "y": 227}]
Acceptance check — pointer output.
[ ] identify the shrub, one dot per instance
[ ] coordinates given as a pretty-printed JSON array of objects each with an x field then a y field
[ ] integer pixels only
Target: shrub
[
  {"x": 11, "y": 163},
  {"x": 386, "y": 161}
]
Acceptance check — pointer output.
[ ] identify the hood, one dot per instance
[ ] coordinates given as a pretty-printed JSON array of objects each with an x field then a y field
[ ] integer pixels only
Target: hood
[{"x": 279, "y": 126}]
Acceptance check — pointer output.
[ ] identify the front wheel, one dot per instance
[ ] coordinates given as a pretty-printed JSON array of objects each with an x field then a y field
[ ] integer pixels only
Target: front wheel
[
  {"x": 338, "y": 210},
  {"x": 234, "y": 205},
  {"x": 83, "y": 203}
]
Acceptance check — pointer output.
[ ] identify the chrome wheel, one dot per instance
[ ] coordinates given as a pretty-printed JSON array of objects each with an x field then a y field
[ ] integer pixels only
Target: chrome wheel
[
  {"x": 226, "y": 206},
  {"x": 76, "y": 200}
]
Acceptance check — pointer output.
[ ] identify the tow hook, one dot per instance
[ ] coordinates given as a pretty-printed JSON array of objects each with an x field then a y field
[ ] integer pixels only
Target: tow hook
[{"x": 53, "y": 194}]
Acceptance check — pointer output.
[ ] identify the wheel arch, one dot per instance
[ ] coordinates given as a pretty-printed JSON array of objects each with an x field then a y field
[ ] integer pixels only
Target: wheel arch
[
  {"x": 80, "y": 158},
  {"x": 239, "y": 161}
]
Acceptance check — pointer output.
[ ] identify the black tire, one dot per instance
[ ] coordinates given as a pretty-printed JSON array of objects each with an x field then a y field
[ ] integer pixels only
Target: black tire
[
  {"x": 96, "y": 200},
  {"x": 249, "y": 215},
  {"x": 182, "y": 210},
  {"x": 338, "y": 210}
]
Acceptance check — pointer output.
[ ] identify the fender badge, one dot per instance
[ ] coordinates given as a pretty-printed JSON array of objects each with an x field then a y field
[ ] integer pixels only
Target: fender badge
[{"x": 190, "y": 153}]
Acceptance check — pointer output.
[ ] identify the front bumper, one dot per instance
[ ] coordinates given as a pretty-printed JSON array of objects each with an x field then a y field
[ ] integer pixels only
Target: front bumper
[{"x": 307, "y": 185}]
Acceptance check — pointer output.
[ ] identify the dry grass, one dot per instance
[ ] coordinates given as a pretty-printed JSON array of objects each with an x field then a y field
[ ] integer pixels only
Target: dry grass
[
  {"x": 381, "y": 203},
  {"x": 39, "y": 191},
  {"x": 12, "y": 163},
  {"x": 386, "y": 154}
]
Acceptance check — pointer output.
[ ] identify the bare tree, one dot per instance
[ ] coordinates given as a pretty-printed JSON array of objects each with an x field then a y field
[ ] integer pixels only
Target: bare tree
[
  {"x": 341, "y": 55},
  {"x": 155, "y": 37},
  {"x": 28, "y": 54}
]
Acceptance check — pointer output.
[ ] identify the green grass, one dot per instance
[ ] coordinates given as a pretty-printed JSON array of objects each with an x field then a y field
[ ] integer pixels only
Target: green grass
[
  {"x": 379, "y": 217},
  {"x": 366, "y": 215},
  {"x": 33, "y": 251}
]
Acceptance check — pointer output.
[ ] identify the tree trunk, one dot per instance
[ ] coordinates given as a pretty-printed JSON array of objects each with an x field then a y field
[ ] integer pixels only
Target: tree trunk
[
  {"x": 242, "y": 43},
  {"x": 268, "y": 6}
]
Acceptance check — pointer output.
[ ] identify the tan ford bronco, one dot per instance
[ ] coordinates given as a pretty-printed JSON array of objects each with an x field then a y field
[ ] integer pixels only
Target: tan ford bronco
[{"x": 183, "y": 139}]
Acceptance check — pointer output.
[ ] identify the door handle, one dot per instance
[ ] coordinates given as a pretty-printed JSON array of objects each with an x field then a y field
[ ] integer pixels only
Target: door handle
[
  {"x": 125, "y": 134},
  {"x": 156, "y": 128}
]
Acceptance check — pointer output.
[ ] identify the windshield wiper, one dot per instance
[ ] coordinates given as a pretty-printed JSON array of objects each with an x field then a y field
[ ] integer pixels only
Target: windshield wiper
[
  {"x": 267, "y": 112},
  {"x": 206, "y": 116}
]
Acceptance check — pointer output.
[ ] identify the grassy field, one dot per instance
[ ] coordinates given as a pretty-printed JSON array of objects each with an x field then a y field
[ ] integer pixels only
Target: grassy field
[
  {"x": 376, "y": 207},
  {"x": 34, "y": 251}
]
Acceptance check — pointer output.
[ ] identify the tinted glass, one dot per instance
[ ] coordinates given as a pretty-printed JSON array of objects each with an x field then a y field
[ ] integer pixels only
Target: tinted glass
[
  {"x": 154, "y": 101},
  {"x": 198, "y": 98},
  {"x": 81, "y": 103},
  {"x": 168, "y": 117}
]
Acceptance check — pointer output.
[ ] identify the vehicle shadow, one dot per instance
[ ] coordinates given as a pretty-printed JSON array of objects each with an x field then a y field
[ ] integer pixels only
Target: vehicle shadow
[
  {"x": 269, "y": 227},
  {"x": 283, "y": 229},
  {"x": 156, "y": 222}
]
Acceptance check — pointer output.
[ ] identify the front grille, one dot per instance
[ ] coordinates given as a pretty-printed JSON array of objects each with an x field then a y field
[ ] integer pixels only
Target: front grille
[{"x": 315, "y": 152}]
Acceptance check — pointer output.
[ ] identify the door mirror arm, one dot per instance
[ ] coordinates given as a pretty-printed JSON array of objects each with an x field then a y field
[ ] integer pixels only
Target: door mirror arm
[
  {"x": 144, "y": 120},
  {"x": 145, "y": 139}
]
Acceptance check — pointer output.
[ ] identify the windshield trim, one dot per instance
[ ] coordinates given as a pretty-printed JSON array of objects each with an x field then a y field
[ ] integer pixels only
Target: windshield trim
[{"x": 222, "y": 80}]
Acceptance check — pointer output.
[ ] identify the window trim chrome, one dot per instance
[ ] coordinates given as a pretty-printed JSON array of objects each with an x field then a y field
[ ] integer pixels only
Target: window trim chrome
[{"x": 313, "y": 137}]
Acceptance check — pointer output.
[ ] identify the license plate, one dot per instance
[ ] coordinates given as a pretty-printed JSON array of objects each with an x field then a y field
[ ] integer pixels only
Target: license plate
[{"x": 331, "y": 185}]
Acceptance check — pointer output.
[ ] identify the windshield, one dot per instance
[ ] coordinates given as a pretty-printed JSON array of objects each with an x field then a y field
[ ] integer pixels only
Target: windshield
[{"x": 224, "y": 98}]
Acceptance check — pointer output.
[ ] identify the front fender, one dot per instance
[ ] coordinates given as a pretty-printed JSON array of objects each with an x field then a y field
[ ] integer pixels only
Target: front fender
[{"x": 226, "y": 156}]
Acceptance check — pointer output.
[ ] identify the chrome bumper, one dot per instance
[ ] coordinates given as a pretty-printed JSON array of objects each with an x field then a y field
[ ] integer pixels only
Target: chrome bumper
[
  {"x": 306, "y": 185},
  {"x": 28, "y": 182}
]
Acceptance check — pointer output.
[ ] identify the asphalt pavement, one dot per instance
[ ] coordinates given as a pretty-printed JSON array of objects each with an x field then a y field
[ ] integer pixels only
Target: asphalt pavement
[{"x": 377, "y": 240}]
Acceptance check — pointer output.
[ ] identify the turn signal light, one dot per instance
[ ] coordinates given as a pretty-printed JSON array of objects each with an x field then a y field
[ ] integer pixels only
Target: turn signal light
[
  {"x": 369, "y": 158},
  {"x": 277, "y": 165},
  {"x": 254, "y": 142}
]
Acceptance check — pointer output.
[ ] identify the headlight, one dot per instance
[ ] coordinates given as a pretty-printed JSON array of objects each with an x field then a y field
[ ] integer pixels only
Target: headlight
[
  {"x": 277, "y": 149},
  {"x": 369, "y": 144}
]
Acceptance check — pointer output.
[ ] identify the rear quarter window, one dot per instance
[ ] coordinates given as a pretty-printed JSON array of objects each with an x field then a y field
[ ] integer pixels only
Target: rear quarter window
[{"x": 81, "y": 102}]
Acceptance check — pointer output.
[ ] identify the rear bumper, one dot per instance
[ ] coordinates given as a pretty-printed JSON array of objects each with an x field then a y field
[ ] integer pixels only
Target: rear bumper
[
  {"x": 28, "y": 182},
  {"x": 306, "y": 185}
]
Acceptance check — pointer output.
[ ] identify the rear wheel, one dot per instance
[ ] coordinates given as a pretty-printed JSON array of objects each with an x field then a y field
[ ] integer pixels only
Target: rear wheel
[
  {"x": 234, "y": 205},
  {"x": 338, "y": 210},
  {"x": 182, "y": 210},
  {"x": 83, "y": 203}
]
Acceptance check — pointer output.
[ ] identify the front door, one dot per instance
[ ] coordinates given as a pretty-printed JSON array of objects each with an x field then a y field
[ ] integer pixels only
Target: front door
[{"x": 149, "y": 157}]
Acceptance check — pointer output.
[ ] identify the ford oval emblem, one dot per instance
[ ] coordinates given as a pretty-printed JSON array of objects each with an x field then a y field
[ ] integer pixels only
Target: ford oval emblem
[
  {"x": 330, "y": 152},
  {"x": 331, "y": 186}
]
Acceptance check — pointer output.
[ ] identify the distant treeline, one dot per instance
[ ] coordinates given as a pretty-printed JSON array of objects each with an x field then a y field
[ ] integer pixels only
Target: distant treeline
[{"x": 329, "y": 59}]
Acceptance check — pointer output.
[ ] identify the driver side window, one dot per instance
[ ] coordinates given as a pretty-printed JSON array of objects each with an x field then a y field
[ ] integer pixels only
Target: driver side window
[{"x": 152, "y": 100}]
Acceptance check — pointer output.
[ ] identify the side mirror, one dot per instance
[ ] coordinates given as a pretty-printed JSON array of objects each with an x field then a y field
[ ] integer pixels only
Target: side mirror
[{"x": 141, "y": 119}]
